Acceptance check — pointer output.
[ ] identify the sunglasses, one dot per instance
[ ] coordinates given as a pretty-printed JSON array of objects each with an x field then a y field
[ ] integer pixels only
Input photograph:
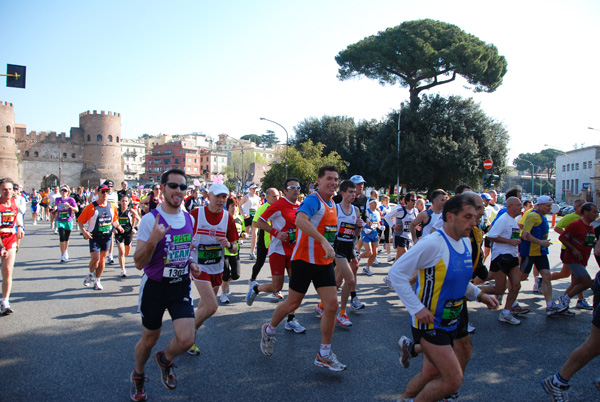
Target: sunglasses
[
  {"x": 64, "y": 189},
  {"x": 104, "y": 191},
  {"x": 293, "y": 187},
  {"x": 413, "y": 200},
  {"x": 173, "y": 186}
]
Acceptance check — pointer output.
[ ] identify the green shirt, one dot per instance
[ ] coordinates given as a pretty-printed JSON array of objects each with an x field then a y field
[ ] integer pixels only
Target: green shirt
[
  {"x": 566, "y": 221},
  {"x": 259, "y": 212}
]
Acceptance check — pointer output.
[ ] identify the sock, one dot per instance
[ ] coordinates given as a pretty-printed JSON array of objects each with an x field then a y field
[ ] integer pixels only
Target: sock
[
  {"x": 110, "y": 257},
  {"x": 342, "y": 311},
  {"x": 255, "y": 288},
  {"x": 291, "y": 317},
  {"x": 270, "y": 330},
  {"x": 136, "y": 374},
  {"x": 559, "y": 381},
  {"x": 549, "y": 304},
  {"x": 325, "y": 350},
  {"x": 353, "y": 294},
  {"x": 412, "y": 351},
  {"x": 321, "y": 305},
  {"x": 515, "y": 304},
  {"x": 164, "y": 360},
  {"x": 505, "y": 311}
]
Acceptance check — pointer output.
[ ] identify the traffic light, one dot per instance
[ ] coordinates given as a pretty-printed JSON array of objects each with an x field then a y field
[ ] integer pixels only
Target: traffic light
[
  {"x": 486, "y": 180},
  {"x": 494, "y": 180}
]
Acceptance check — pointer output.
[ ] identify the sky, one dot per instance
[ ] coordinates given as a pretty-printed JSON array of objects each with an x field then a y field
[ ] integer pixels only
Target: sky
[{"x": 216, "y": 67}]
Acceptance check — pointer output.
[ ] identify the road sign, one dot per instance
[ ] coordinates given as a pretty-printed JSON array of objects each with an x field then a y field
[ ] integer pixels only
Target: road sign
[{"x": 488, "y": 164}]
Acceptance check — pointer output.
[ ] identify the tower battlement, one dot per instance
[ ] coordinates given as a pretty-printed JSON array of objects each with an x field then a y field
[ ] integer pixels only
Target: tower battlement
[
  {"x": 102, "y": 113},
  {"x": 6, "y": 104}
]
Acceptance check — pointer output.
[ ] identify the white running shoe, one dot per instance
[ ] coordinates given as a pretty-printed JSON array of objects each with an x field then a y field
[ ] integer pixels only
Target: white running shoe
[
  {"x": 123, "y": 273},
  {"x": 508, "y": 318},
  {"x": 266, "y": 341},
  {"x": 367, "y": 271},
  {"x": 343, "y": 320},
  {"x": 331, "y": 362},
  {"x": 376, "y": 262},
  {"x": 98, "y": 285},
  {"x": 390, "y": 258},
  {"x": 224, "y": 298},
  {"x": 295, "y": 326},
  {"x": 87, "y": 282}
]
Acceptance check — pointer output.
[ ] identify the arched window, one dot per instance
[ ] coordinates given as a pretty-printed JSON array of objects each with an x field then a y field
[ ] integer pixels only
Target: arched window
[
  {"x": 89, "y": 139},
  {"x": 64, "y": 155},
  {"x": 36, "y": 154},
  {"x": 26, "y": 153},
  {"x": 73, "y": 155},
  {"x": 8, "y": 129},
  {"x": 110, "y": 138},
  {"x": 117, "y": 139},
  {"x": 99, "y": 138}
]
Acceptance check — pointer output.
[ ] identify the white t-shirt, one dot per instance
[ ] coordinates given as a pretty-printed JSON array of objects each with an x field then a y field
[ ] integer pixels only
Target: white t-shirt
[
  {"x": 176, "y": 221},
  {"x": 504, "y": 227}
]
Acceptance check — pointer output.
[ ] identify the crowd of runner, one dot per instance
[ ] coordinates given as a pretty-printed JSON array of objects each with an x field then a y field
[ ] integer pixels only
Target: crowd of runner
[{"x": 189, "y": 235}]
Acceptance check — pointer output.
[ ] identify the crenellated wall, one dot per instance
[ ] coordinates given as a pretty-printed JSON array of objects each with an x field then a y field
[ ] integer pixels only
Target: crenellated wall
[{"x": 8, "y": 150}]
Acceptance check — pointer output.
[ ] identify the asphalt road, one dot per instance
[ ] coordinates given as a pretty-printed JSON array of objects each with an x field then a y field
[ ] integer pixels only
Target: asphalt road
[{"x": 65, "y": 342}]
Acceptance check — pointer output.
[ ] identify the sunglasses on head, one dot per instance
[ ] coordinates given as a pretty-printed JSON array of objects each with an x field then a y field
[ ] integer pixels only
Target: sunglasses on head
[
  {"x": 173, "y": 186},
  {"x": 293, "y": 187}
]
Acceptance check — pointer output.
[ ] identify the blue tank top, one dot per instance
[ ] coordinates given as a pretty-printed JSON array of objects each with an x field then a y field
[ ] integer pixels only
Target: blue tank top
[{"x": 442, "y": 288}]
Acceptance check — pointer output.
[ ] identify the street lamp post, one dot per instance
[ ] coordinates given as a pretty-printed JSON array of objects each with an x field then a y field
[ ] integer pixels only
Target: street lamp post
[
  {"x": 398, "y": 172},
  {"x": 242, "y": 166},
  {"x": 532, "y": 173},
  {"x": 286, "y": 144}
]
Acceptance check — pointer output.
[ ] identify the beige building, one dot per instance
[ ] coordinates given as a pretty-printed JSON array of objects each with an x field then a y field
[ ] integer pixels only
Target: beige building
[{"x": 134, "y": 157}]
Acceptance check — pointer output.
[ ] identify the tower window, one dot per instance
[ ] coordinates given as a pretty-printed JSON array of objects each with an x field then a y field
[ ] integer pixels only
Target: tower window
[{"x": 99, "y": 138}]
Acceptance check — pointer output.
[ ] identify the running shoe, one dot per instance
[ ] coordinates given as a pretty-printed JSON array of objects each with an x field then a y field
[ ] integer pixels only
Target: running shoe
[
  {"x": 405, "y": 344},
  {"x": 387, "y": 282},
  {"x": 224, "y": 298},
  {"x": 167, "y": 374},
  {"x": 295, "y": 326},
  {"x": 62, "y": 259},
  {"x": 508, "y": 318},
  {"x": 563, "y": 302},
  {"x": 450, "y": 398},
  {"x": 251, "y": 295},
  {"x": 319, "y": 311},
  {"x": 98, "y": 285},
  {"x": 331, "y": 362},
  {"x": 558, "y": 394},
  {"x": 552, "y": 310},
  {"x": 123, "y": 273},
  {"x": 137, "y": 392},
  {"x": 278, "y": 295},
  {"x": 67, "y": 255},
  {"x": 5, "y": 308},
  {"x": 390, "y": 258},
  {"x": 343, "y": 320},
  {"x": 518, "y": 310},
  {"x": 367, "y": 271},
  {"x": 55, "y": 231},
  {"x": 583, "y": 305},
  {"x": 537, "y": 284},
  {"x": 252, "y": 256},
  {"x": 193, "y": 350},
  {"x": 356, "y": 304},
  {"x": 470, "y": 328},
  {"x": 567, "y": 313},
  {"x": 376, "y": 262},
  {"x": 87, "y": 282},
  {"x": 110, "y": 259},
  {"x": 266, "y": 341}
]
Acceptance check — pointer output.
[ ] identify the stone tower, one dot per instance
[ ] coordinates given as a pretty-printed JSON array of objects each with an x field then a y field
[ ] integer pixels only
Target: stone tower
[
  {"x": 8, "y": 158},
  {"x": 101, "y": 148}
]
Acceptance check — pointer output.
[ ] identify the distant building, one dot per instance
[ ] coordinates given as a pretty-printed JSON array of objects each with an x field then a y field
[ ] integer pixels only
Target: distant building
[
  {"x": 578, "y": 174},
  {"x": 183, "y": 155},
  {"x": 134, "y": 157}
]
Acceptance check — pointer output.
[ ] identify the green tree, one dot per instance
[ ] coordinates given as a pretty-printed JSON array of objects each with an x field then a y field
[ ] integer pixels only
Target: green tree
[
  {"x": 443, "y": 143},
  {"x": 252, "y": 137},
  {"x": 269, "y": 138},
  {"x": 303, "y": 163},
  {"x": 423, "y": 54},
  {"x": 235, "y": 168}
]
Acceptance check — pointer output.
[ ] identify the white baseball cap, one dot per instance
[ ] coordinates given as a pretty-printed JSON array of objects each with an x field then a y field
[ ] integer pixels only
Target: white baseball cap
[{"x": 218, "y": 188}]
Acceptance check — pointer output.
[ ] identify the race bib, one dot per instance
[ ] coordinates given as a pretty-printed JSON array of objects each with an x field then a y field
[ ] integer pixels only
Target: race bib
[
  {"x": 8, "y": 218},
  {"x": 63, "y": 215},
  {"x": 590, "y": 239},
  {"x": 292, "y": 235},
  {"x": 330, "y": 232},
  {"x": 452, "y": 309},
  {"x": 252, "y": 212},
  {"x": 209, "y": 254},
  {"x": 171, "y": 273},
  {"x": 516, "y": 233},
  {"x": 347, "y": 231}
]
